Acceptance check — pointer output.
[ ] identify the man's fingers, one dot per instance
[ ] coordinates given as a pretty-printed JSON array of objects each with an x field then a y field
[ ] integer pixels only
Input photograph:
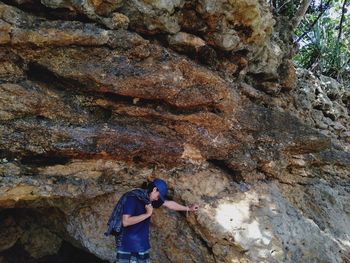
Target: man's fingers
[
  {"x": 195, "y": 207},
  {"x": 149, "y": 206},
  {"x": 149, "y": 209}
]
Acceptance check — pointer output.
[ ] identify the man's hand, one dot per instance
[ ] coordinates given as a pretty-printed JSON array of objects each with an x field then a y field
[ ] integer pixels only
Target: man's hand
[
  {"x": 149, "y": 209},
  {"x": 194, "y": 208}
]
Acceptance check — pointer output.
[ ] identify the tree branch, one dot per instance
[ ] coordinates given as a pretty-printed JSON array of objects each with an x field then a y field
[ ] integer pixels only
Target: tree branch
[
  {"x": 341, "y": 22},
  {"x": 304, "y": 5},
  {"x": 314, "y": 23},
  {"x": 280, "y": 7},
  {"x": 336, "y": 59}
]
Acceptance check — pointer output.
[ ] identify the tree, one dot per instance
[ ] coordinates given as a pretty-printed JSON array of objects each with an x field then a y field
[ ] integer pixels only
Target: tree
[{"x": 322, "y": 32}]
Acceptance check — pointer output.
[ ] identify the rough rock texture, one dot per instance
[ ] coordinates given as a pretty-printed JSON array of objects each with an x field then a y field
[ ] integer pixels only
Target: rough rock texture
[
  {"x": 98, "y": 96},
  {"x": 327, "y": 105}
]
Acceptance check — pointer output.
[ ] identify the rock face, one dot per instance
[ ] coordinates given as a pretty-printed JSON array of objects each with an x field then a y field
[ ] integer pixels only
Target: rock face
[{"x": 97, "y": 97}]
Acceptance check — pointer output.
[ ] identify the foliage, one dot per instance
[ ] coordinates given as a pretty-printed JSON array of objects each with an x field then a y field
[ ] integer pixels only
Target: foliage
[
  {"x": 321, "y": 50},
  {"x": 323, "y": 37}
]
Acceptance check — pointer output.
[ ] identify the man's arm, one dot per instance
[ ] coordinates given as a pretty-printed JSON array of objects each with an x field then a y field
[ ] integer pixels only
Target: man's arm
[
  {"x": 129, "y": 220},
  {"x": 177, "y": 207}
]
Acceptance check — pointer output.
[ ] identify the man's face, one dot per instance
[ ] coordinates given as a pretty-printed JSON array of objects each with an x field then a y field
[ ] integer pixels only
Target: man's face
[{"x": 154, "y": 196}]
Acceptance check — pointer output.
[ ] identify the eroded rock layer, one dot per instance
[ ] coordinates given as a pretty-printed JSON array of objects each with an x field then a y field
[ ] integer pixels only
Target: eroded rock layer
[{"x": 97, "y": 97}]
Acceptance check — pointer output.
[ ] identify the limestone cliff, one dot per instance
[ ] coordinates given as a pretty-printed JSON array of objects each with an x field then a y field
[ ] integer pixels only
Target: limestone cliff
[{"x": 98, "y": 96}]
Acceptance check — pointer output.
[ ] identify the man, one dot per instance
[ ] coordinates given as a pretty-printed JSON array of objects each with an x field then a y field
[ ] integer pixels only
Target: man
[{"x": 130, "y": 220}]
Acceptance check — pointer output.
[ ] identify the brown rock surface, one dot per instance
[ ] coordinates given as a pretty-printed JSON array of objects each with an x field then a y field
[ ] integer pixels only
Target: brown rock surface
[{"x": 88, "y": 113}]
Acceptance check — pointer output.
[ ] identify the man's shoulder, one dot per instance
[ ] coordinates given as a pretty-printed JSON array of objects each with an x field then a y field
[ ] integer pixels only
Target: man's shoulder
[{"x": 132, "y": 198}]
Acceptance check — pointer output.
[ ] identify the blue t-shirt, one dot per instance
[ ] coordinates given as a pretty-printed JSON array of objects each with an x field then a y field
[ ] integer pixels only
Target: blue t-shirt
[{"x": 135, "y": 237}]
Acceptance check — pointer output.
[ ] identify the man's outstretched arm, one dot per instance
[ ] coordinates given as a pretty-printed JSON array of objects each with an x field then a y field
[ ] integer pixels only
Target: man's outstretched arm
[{"x": 177, "y": 207}]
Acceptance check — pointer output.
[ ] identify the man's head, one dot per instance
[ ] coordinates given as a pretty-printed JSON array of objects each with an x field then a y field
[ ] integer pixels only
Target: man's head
[{"x": 159, "y": 190}]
